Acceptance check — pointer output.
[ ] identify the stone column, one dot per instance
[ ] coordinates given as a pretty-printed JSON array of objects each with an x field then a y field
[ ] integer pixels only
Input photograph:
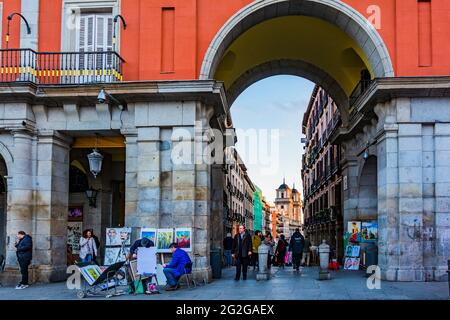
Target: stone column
[
  {"x": 438, "y": 254},
  {"x": 349, "y": 189},
  {"x": 51, "y": 204},
  {"x": 217, "y": 218},
  {"x": 131, "y": 168},
  {"x": 20, "y": 193}
]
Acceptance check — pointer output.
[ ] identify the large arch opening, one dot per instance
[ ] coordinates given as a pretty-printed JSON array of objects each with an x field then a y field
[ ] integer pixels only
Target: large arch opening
[{"x": 324, "y": 41}]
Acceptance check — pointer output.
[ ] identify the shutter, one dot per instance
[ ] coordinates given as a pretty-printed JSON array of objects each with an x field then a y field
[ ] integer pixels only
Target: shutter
[{"x": 100, "y": 40}]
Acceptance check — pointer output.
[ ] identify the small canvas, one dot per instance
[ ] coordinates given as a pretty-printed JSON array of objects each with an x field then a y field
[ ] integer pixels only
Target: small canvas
[
  {"x": 183, "y": 237},
  {"x": 115, "y": 236},
  {"x": 91, "y": 273},
  {"x": 164, "y": 237},
  {"x": 352, "y": 251},
  {"x": 354, "y": 228},
  {"x": 149, "y": 233},
  {"x": 162, "y": 280},
  {"x": 351, "y": 264},
  {"x": 369, "y": 231},
  {"x": 146, "y": 261}
]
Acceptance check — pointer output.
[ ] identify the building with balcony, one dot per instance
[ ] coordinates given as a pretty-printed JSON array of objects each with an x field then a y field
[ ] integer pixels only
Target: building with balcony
[
  {"x": 321, "y": 175},
  {"x": 238, "y": 194}
]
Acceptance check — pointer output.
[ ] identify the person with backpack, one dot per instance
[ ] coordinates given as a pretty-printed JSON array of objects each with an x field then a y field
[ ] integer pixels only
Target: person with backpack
[{"x": 296, "y": 247}]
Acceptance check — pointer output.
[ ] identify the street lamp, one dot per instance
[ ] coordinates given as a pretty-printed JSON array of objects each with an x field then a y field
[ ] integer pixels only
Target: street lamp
[
  {"x": 91, "y": 194},
  {"x": 95, "y": 162},
  {"x": 124, "y": 28},
  {"x": 9, "y": 21}
]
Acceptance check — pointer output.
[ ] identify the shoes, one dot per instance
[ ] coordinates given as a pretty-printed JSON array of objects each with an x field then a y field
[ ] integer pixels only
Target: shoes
[
  {"x": 236, "y": 279},
  {"x": 21, "y": 286},
  {"x": 171, "y": 288},
  {"x": 244, "y": 278}
]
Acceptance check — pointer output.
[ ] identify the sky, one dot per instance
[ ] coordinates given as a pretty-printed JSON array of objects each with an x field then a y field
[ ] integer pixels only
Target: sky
[{"x": 267, "y": 117}]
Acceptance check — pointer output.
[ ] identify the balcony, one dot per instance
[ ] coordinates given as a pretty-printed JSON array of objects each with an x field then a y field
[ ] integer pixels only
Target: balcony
[{"x": 60, "y": 68}]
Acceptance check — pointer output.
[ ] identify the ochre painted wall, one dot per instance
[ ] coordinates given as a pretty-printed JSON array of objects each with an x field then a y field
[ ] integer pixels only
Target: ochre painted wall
[{"x": 197, "y": 21}]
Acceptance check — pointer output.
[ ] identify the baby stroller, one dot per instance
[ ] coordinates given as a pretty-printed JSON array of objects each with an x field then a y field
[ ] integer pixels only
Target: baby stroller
[{"x": 98, "y": 283}]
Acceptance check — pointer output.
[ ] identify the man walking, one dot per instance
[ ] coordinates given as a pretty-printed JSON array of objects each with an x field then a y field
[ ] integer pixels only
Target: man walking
[
  {"x": 306, "y": 251},
  {"x": 256, "y": 242},
  {"x": 227, "y": 247},
  {"x": 296, "y": 247},
  {"x": 24, "y": 247},
  {"x": 242, "y": 250}
]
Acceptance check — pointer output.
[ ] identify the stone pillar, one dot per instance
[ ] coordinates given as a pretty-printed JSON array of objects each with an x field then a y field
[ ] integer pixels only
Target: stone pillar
[
  {"x": 51, "y": 204},
  {"x": 439, "y": 254},
  {"x": 131, "y": 168},
  {"x": 217, "y": 218},
  {"x": 349, "y": 190},
  {"x": 20, "y": 193}
]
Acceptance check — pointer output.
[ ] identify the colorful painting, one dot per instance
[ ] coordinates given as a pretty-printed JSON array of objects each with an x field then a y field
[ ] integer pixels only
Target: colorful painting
[
  {"x": 75, "y": 213},
  {"x": 351, "y": 264},
  {"x": 115, "y": 236},
  {"x": 74, "y": 232},
  {"x": 183, "y": 237},
  {"x": 354, "y": 228},
  {"x": 149, "y": 233},
  {"x": 91, "y": 273},
  {"x": 369, "y": 231},
  {"x": 164, "y": 238},
  {"x": 352, "y": 251}
]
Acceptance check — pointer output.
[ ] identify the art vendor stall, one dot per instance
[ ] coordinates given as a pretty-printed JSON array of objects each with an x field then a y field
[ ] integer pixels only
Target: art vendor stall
[{"x": 360, "y": 242}]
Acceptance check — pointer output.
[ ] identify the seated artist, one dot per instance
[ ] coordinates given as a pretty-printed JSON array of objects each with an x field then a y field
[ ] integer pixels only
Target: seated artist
[
  {"x": 177, "y": 267},
  {"x": 139, "y": 243}
]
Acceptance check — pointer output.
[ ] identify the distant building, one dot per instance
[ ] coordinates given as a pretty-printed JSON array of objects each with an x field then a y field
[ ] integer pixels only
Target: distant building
[
  {"x": 321, "y": 174},
  {"x": 238, "y": 194},
  {"x": 288, "y": 207}
]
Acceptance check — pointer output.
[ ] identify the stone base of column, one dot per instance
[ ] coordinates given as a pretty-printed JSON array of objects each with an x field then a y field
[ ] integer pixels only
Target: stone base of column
[
  {"x": 202, "y": 275},
  {"x": 324, "y": 275},
  {"x": 411, "y": 275},
  {"x": 36, "y": 274},
  {"x": 436, "y": 274}
]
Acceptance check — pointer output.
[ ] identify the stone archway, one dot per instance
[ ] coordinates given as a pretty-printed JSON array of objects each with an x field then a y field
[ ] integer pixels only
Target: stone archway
[{"x": 361, "y": 47}]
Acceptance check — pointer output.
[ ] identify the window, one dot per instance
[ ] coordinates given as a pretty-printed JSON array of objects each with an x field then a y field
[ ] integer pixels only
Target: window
[{"x": 95, "y": 34}]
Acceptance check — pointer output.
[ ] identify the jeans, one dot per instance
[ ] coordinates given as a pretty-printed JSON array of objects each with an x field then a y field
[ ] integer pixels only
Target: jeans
[
  {"x": 241, "y": 263},
  {"x": 171, "y": 279},
  {"x": 255, "y": 260},
  {"x": 296, "y": 258},
  {"x": 24, "y": 271},
  {"x": 228, "y": 260},
  {"x": 306, "y": 257},
  {"x": 88, "y": 258}
]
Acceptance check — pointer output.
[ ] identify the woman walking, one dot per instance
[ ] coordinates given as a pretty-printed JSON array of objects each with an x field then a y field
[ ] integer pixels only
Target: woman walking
[
  {"x": 281, "y": 251},
  {"x": 88, "y": 248},
  {"x": 268, "y": 241}
]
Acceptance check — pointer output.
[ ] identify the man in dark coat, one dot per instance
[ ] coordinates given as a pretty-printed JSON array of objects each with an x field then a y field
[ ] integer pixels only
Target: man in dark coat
[
  {"x": 296, "y": 247},
  {"x": 242, "y": 250},
  {"x": 139, "y": 243},
  {"x": 24, "y": 252}
]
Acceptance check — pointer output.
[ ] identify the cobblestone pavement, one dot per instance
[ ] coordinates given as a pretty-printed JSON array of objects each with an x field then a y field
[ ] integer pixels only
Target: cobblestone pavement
[{"x": 284, "y": 285}]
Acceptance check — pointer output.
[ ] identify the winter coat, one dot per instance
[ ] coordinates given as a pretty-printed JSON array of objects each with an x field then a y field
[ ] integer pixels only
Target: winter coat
[
  {"x": 228, "y": 243},
  {"x": 297, "y": 243},
  {"x": 179, "y": 261},
  {"x": 25, "y": 249},
  {"x": 256, "y": 242},
  {"x": 246, "y": 245},
  {"x": 87, "y": 246}
]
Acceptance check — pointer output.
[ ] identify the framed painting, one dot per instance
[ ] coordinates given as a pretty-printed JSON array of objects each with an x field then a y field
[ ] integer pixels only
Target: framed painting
[
  {"x": 115, "y": 236},
  {"x": 369, "y": 231},
  {"x": 74, "y": 232},
  {"x": 354, "y": 228},
  {"x": 164, "y": 237},
  {"x": 183, "y": 237},
  {"x": 149, "y": 233}
]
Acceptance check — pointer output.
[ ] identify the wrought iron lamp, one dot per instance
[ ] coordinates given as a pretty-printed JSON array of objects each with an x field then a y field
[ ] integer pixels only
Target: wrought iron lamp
[
  {"x": 9, "y": 22},
  {"x": 91, "y": 194}
]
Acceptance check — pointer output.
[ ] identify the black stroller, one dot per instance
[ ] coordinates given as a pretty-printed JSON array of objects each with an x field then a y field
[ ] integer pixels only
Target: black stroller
[{"x": 99, "y": 283}]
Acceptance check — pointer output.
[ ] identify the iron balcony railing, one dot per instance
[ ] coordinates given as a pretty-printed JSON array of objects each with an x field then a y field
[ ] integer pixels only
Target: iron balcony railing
[{"x": 60, "y": 68}]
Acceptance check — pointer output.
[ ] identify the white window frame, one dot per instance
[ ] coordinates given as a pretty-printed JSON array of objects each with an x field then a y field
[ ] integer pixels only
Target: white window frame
[{"x": 71, "y": 14}]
